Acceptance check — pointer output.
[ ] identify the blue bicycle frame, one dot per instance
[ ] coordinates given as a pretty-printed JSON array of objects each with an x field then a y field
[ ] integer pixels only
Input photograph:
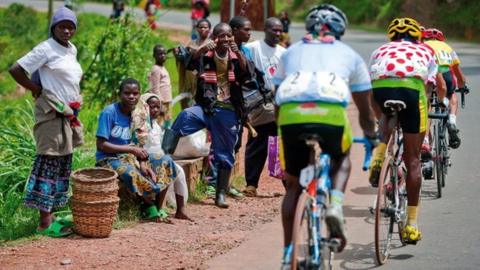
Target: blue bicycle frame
[{"x": 317, "y": 183}]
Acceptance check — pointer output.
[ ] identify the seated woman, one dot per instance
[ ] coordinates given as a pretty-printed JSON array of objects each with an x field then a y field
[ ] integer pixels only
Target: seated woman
[
  {"x": 143, "y": 174},
  {"x": 153, "y": 145}
]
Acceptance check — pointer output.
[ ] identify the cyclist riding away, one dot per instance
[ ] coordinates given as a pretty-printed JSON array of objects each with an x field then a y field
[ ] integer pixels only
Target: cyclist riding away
[
  {"x": 448, "y": 63},
  {"x": 401, "y": 70},
  {"x": 316, "y": 77}
]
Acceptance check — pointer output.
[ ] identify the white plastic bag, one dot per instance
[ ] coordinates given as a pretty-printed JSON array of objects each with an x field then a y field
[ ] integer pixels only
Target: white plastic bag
[{"x": 192, "y": 146}]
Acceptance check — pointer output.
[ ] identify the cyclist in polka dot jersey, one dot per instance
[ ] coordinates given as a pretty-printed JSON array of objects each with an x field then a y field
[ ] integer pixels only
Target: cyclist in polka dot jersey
[
  {"x": 403, "y": 59},
  {"x": 403, "y": 69}
]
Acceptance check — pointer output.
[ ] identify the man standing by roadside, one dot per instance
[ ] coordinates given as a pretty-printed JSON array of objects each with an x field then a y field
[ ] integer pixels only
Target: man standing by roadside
[{"x": 266, "y": 56}]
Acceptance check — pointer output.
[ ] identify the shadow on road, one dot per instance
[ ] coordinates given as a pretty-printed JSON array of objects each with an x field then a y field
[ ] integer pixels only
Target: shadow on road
[
  {"x": 362, "y": 256},
  {"x": 364, "y": 190},
  {"x": 355, "y": 211},
  {"x": 429, "y": 190},
  {"x": 357, "y": 256}
]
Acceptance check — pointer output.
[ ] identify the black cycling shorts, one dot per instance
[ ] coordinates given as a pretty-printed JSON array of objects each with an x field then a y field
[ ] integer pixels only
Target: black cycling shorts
[
  {"x": 450, "y": 82},
  {"x": 413, "y": 118},
  {"x": 296, "y": 153}
]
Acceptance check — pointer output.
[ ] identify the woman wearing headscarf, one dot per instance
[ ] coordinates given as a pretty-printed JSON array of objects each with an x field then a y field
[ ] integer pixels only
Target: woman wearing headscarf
[{"x": 55, "y": 85}]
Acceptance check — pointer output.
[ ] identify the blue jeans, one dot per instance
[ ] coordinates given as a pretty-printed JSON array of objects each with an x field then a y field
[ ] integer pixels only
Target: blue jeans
[{"x": 223, "y": 125}]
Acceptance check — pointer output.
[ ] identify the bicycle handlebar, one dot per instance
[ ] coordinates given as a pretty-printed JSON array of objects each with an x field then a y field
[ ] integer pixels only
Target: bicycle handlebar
[
  {"x": 440, "y": 115},
  {"x": 464, "y": 90},
  {"x": 368, "y": 151}
]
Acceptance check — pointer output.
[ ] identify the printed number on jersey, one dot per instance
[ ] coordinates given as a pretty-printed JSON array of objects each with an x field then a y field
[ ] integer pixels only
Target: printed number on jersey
[{"x": 307, "y": 86}]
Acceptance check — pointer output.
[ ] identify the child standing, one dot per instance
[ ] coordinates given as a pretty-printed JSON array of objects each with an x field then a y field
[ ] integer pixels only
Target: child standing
[
  {"x": 199, "y": 11},
  {"x": 160, "y": 84}
]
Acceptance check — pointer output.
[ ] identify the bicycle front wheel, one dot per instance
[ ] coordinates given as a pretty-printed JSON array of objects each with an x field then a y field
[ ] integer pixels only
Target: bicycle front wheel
[{"x": 384, "y": 212}]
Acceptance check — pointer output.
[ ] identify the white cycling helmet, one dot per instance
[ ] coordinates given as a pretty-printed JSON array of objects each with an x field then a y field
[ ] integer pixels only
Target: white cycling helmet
[{"x": 329, "y": 15}]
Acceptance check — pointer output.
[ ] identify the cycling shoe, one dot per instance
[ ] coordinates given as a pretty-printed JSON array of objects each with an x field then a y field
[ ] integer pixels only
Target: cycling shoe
[{"x": 411, "y": 235}]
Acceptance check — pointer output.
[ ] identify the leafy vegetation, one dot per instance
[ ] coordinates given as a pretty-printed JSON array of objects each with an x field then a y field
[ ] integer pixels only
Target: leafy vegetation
[
  {"x": 16, "y": 38},
  {"x": 450, "y": 16}
]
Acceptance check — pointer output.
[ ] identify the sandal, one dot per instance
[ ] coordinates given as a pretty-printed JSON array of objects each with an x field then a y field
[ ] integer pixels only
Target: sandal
[
  {"x": 250, "y": 191},
  {"x": 164, "y": 217},
  {"x": 56, "y": 230},
  {"x": 151, "y": 212},
  {"x": 163, "y": 213},
  {"x": 67, "y": 220}
]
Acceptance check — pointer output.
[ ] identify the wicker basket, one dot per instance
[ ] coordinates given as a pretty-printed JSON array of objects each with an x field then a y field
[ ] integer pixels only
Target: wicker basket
[
  {"x": 95, "y": 180},
  {"x": 106, "y": 194},
  {"x": 94, "y": 219}
]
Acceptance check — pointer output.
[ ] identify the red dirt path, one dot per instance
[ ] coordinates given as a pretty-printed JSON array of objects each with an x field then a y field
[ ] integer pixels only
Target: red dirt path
[{"x": 183, "y": 245}]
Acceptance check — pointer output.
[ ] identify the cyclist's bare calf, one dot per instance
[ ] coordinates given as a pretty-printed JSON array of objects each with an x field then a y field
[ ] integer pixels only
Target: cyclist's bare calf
[
  {"x": 340, "y": 171},
  {"x": 411, "y": 154},
  {"x": 293, "y": 191}
]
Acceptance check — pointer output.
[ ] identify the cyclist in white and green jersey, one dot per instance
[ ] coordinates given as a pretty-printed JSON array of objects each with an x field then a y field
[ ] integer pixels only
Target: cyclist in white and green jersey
[{"x": 316, "y": 78}]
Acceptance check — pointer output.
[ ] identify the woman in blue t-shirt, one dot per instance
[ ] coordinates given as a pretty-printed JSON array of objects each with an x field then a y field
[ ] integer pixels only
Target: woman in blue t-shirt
[{"x": 142, "y": 173}]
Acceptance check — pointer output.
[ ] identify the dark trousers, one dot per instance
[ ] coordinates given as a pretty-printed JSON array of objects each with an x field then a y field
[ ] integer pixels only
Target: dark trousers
[{"x": 256, "y": 152}]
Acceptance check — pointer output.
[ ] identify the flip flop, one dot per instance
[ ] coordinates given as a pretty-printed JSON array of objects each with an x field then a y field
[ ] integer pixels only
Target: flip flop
[
  {"x": 55, "y": 230},
  {"x": 163, "y": 213},
  {"x": 151, "y": 212},
  {"x": 67, "y": 220}
]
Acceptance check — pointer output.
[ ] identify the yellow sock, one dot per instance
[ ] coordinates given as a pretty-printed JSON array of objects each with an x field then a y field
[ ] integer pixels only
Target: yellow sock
[
  {"x": 379, "y": 154},
  {"x": 412, "y": 213}
]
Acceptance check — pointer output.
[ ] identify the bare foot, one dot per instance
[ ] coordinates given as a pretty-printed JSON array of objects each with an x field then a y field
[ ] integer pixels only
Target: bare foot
[{"x": 182, "y": 215}]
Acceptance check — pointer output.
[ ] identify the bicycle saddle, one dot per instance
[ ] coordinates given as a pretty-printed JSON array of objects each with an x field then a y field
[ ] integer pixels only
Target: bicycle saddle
[{"x": 395, "y": 105}]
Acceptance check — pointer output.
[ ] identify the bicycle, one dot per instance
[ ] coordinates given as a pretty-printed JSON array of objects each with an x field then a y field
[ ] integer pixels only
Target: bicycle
[
  {"x": 391, "y": 201},
  {"x": 315, "y": 249},
  {"x": 441, "y": 157}
]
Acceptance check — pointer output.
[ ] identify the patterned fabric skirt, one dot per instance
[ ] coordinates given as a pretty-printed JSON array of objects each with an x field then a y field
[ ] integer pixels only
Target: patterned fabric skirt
[
  {"x": 129, "y": 173},
  {"x": 47, "y": 187}
]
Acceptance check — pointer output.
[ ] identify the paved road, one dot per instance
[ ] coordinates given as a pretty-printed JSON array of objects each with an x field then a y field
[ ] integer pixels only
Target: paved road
[
  {"x": 451, "y": 234},
  {"x": 450, "y": 224}
]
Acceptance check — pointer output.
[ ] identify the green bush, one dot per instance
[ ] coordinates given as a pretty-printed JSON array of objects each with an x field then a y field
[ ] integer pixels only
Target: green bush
[
  {"x": 450, "y": 16},
  {"x": 20, "y": 30},
  {"x": 123, "y": 49}
]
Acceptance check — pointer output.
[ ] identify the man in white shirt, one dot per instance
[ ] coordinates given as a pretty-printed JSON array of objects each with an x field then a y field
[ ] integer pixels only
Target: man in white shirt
[{"x": 266, "y": 55}]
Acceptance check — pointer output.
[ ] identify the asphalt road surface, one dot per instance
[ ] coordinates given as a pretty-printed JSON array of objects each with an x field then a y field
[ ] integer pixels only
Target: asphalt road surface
[{"x": 451, "y": 234}]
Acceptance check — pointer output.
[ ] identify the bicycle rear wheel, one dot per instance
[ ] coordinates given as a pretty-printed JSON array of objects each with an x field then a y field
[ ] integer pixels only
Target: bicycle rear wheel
[
  {"x": 303, "y": 246},
  {"x": 438, "y": 159},
  {"x": 384, "y": 212},
  {"x": 444, "y": 154}
]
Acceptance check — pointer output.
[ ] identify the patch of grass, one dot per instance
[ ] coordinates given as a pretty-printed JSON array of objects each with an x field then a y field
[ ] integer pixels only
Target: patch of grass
[
  {"x": 20, "y": 241},
  {"x": 16, "y": 159},
  {"x": 200, "y": 193},
  {"x": 238, "y": 182}
]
